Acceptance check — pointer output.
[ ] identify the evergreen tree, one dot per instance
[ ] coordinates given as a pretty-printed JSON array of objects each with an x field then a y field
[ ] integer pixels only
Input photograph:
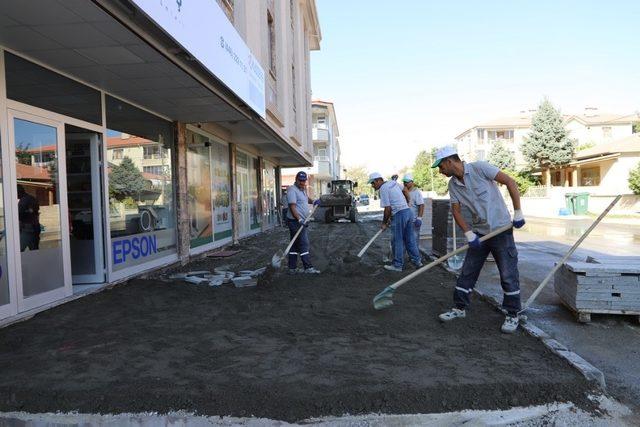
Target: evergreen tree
[
  {"x": 634, "y": 179},
  {"x": 427, "y": 178},
  {"x": 548, "y": 144},
  {"x": 125, "y": 180},
  {"x": 501, "y": 156}
]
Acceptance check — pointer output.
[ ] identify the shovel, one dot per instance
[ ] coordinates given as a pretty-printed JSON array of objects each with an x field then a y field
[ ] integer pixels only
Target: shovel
[
  {"x": 276, "y": 259},
  {"x": 363, "y": 250},
  {"x": 559, "y": 264},
  {"x": 385, "y": 298}
]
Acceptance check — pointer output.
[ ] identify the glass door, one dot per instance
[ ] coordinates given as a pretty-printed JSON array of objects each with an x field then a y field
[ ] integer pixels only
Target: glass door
[
  {"x": 44, "y": 273},
  {"x": 7, "y": 297},
  {"x": 85, "y": 208}
]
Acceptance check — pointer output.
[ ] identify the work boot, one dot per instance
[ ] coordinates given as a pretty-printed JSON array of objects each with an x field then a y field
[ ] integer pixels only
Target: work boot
[
  {"x": 392, "y": 268},
  {"x": 418, "y": 264},
  {"x": 510, "y": 324},
  {"x": 454, "y": 313},
  {"x": 311, "y": 270},
  {"x": 292, "y": 271}
]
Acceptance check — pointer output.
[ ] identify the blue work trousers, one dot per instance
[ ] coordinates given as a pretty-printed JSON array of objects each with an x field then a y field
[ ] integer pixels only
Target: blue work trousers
[
  {"x": 503, "y": 249},
  {"x": 404, "y": 236},
  {"x": 300, "y": 246}
]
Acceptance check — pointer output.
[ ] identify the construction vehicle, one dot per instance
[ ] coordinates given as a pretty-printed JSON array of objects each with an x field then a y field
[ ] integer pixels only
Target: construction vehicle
[{"x": 340, "y": 202}]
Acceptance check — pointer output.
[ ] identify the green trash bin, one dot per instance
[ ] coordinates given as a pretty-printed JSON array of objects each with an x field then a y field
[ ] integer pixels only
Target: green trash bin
[
  {"x": 581, "y": 203},
  {"x": 570, "y": 202}
]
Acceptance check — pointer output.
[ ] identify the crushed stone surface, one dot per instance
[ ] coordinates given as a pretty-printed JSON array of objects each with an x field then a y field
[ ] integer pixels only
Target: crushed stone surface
[{"x": 292, "y": 348}]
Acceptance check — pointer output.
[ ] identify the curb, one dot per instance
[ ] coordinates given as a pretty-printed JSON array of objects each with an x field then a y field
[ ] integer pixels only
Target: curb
[{"x": 590, "y": 372}]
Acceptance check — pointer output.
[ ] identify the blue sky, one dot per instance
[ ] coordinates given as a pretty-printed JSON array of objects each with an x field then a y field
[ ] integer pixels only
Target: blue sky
[{"x": 408, "y": 75}]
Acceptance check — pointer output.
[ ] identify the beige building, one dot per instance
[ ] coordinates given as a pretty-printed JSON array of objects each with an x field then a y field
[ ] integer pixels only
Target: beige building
[
  {"x": 590, "y": 128},
  {"x": 326, "y": 151},
  {"x": 209, "y": 100}
]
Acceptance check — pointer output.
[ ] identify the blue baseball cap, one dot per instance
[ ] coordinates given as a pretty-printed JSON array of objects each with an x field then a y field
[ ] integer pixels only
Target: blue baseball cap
[{"x": 302, "y": 176}]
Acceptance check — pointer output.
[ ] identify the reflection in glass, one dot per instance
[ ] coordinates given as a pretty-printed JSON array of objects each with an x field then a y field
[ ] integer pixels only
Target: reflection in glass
[
  {"x": 199, "y": 189},
  {"x": 269, "y": 189},
  {"x": 141, "y": 202},
  {"x": 38, "y": 207},
  {"x": 4, "y": 280}
]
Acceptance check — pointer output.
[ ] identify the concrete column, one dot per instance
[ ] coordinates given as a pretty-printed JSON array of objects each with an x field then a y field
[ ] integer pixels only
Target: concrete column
[
  {"x": 234, "y": 194},
  {"x": 566, "y": 172},
  {"x": 182, "y": 204},
  {"x": 279, "y": 194},
  {"x": 576, "y": 176}
]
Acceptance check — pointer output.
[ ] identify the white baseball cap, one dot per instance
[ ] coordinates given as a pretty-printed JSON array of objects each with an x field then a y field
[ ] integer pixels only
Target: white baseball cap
[
  {"x": 407, "y": 177},
  {"x": 443, "y": 153},
  {"x": 373, "y": 176}
]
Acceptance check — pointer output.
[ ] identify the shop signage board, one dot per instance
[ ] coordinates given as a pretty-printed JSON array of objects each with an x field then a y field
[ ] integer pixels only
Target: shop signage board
[{"x": 203, "y": 30}]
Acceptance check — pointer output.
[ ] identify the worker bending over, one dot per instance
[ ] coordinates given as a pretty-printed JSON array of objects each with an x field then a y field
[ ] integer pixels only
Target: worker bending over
[{"x": 396, "y": 209}]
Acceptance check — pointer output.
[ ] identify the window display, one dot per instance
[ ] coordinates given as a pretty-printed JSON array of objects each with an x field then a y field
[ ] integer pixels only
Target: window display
[{"x": 142, "y": 214}]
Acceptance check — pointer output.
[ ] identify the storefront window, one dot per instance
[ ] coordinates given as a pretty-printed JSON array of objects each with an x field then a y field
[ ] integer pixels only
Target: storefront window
[
  {"x": 142, "y": 212},
  {"x": 199, "y": 189},
  {"x": 38, "y": 207},
  {"x": 253, "y": 193},
  {"x": 269, "y": 194},
  {"x": 221, "y": 192}
]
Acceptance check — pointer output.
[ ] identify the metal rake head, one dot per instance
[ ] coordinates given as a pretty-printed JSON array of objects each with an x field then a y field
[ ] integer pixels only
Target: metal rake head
[{"x": 384, "y": 299}]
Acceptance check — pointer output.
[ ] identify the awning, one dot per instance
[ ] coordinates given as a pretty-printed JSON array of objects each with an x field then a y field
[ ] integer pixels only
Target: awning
[{"x": 113, "y": 48}]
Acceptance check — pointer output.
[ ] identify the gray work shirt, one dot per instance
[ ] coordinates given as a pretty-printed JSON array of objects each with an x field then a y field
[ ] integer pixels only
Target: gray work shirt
[
  {"x": 299, "y": 198},
  {"x": 480, "y": 194},
  {"x": 391, "y": 195},
  {"x": 415, "y": 200}
]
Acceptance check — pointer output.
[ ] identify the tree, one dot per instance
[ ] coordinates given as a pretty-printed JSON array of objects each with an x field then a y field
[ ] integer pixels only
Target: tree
[
  {"x": 360, "y": 175},
  {"x": 634, "y": 179},
  {"x": 636, "y": 127},
  {"x": 427, "y": 178},
  {"x": 501, "y": 156},
  {"x": 548, "y": 144},
  {"x": 125, "y": 180}
]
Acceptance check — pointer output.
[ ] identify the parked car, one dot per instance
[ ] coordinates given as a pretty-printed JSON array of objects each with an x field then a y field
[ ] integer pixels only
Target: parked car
[{"x": 364, "y": 199}]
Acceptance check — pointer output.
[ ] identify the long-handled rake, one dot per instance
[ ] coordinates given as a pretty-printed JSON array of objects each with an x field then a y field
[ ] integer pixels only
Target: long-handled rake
[
  {"x": 385, "y": 298},
  {"x": 364, "y": 249},
  {"x": 559, "y": 264},
  {"x": 276, "y": 259}
]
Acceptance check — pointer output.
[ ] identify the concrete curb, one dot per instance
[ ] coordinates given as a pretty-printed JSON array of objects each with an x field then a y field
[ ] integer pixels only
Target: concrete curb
[{"x": 590, "y": 372}]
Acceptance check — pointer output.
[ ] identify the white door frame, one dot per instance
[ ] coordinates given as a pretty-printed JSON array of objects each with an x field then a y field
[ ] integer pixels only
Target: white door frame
[
  {"x": 96, "y": 212},
  {"x": 28, "y": 303}
]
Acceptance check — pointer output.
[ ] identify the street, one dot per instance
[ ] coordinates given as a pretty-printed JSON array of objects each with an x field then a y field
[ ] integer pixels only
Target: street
[{"x": 610, "y": 342}]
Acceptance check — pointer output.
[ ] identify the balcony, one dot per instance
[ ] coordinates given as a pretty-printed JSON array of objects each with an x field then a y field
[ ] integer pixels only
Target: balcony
[
  {"x": 320, "y": 134},
  {"x": 323, "y": 166}
]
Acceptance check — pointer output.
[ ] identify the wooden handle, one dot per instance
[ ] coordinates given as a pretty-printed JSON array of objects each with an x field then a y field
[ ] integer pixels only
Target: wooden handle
[
  {"x": 446, "y": 257},
  {"x": 568, "y": 254},
  {"x": 295, "y": 236},
  {"x": 369, "y": 243}
]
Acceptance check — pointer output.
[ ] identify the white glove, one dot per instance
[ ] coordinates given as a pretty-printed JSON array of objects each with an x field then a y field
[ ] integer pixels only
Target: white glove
[
  {"x": 470, "y": 235},
  {"x": 518, "y": 218}
]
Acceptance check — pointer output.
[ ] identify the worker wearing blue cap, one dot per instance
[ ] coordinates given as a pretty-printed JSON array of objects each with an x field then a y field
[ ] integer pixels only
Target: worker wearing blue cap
[{"x": 297, "y": 214}]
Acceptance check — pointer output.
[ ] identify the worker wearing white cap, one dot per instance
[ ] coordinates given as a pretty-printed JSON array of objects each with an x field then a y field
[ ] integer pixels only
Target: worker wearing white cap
[
  {"x": 396, "y": 209},
  {"x": 474, "y": 186},
  {"x": 416, "y": 203}
]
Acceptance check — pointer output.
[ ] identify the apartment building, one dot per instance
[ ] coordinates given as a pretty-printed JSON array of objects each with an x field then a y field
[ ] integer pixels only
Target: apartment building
[
  {"x": 137, "y": 134},
  {"x": 326, "y": 150},
  {"x": 591, "y": 128}
]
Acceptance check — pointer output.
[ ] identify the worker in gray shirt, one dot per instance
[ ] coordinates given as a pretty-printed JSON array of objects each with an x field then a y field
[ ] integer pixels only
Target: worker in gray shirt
[
  {"x": 416, "y": 203},
  {"x": 297, "y": 214},
  {"x": 396, "y": 210},
  {"x": 474, "y": 186}
]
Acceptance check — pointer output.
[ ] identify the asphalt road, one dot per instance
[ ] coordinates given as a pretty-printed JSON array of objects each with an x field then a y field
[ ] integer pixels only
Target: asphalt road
[{"x": 609, "y": 342}]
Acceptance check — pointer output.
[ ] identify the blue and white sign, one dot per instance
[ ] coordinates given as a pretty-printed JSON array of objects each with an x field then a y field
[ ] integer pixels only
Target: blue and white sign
[{"x": 202, "y": 28}]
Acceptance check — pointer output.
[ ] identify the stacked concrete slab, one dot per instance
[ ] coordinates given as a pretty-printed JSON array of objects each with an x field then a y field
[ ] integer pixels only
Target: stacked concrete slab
[
  {"x": 609, "y": 285},
  {"x": 443, "y": 227}
]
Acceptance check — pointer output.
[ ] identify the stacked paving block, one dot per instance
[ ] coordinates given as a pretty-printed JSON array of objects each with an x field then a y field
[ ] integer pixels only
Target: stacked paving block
[
  {"x": 608, "y": 285},
  {"x": 442, "y": 221}
]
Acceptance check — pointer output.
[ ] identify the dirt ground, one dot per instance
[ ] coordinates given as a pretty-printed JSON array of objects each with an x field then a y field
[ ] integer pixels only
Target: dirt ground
[{"x": 296, "y": 347}]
